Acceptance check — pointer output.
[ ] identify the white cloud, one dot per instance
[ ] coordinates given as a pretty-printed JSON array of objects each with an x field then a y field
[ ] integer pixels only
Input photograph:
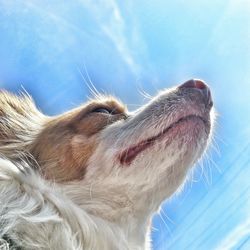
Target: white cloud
[
  {"x": 108, "y": 16},
  {"x": 123, "y": 34},
  {"x": 235, "y": 236}
]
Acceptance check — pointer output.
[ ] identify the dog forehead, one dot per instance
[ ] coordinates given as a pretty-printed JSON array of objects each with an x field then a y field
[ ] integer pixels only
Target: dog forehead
[{"x": 109, "y": 102}]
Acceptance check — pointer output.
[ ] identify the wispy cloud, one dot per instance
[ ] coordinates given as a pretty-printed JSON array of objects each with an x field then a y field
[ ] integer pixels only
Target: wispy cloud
[
  {"x": 117, "y": 24},
  {"x": 109, "y": 17},
  {"x": 235, "y": 237}
]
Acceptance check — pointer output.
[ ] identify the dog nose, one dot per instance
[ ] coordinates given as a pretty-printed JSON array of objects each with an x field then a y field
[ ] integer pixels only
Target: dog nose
[{"x": 202, "y": 87}]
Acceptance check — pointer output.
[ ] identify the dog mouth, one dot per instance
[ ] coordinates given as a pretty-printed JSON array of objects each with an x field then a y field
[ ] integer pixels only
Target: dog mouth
[{"x": 129, "y": 154}]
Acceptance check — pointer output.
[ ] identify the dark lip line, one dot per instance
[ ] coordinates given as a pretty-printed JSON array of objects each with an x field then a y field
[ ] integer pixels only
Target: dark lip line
[{"x": 128, "y": 155}]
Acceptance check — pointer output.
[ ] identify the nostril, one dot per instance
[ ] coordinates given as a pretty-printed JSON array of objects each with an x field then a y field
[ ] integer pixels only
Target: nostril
[
  {"x": 194, "y": 84},
  {"x": 198, "y": 84}
]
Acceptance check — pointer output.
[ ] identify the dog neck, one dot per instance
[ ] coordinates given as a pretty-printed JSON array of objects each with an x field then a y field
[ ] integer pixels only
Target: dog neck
[{"x": 123, "y": 205}]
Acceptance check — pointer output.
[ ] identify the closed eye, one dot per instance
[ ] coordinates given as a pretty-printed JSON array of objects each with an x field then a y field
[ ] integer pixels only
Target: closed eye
[{"x": 102, "y": 110}]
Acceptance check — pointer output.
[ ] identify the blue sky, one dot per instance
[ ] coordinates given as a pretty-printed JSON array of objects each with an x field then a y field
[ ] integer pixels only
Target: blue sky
[{"x": 51, "y": 48}]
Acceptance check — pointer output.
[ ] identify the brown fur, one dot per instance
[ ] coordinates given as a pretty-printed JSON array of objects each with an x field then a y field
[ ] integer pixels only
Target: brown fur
[
  {"x": 14, "y": 110},
  {"x": 61, "y": 145}
]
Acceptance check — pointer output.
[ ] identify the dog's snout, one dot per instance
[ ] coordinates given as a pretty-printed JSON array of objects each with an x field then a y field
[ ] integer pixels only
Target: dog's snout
[{"x": 202, "y": 87}]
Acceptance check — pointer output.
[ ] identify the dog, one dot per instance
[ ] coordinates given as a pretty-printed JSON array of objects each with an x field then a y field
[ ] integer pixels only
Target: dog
[{"x": 92, "y": 177}]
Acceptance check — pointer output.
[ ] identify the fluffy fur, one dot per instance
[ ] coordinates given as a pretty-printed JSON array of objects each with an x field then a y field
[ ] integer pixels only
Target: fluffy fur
[{"x": 93, "y": 177}]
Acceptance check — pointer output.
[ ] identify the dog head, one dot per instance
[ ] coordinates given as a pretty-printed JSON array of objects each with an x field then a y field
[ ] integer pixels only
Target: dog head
[{"x": 102, "y": 147}]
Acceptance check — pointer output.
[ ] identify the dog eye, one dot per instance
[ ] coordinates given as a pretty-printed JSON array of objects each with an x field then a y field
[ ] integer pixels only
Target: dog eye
[{"x": 102, "y": 110}]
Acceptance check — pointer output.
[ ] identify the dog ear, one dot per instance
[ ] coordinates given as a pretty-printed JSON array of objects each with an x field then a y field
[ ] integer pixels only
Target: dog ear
[{"x": 20, "y": 121}]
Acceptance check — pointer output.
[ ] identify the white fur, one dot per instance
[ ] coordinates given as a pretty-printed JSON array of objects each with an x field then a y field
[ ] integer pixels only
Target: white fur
[{"x": 112, "y": 206}]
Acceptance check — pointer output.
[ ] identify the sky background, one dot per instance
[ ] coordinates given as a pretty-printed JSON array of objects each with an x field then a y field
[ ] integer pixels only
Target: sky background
[{"x": 52, "y": 48}]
